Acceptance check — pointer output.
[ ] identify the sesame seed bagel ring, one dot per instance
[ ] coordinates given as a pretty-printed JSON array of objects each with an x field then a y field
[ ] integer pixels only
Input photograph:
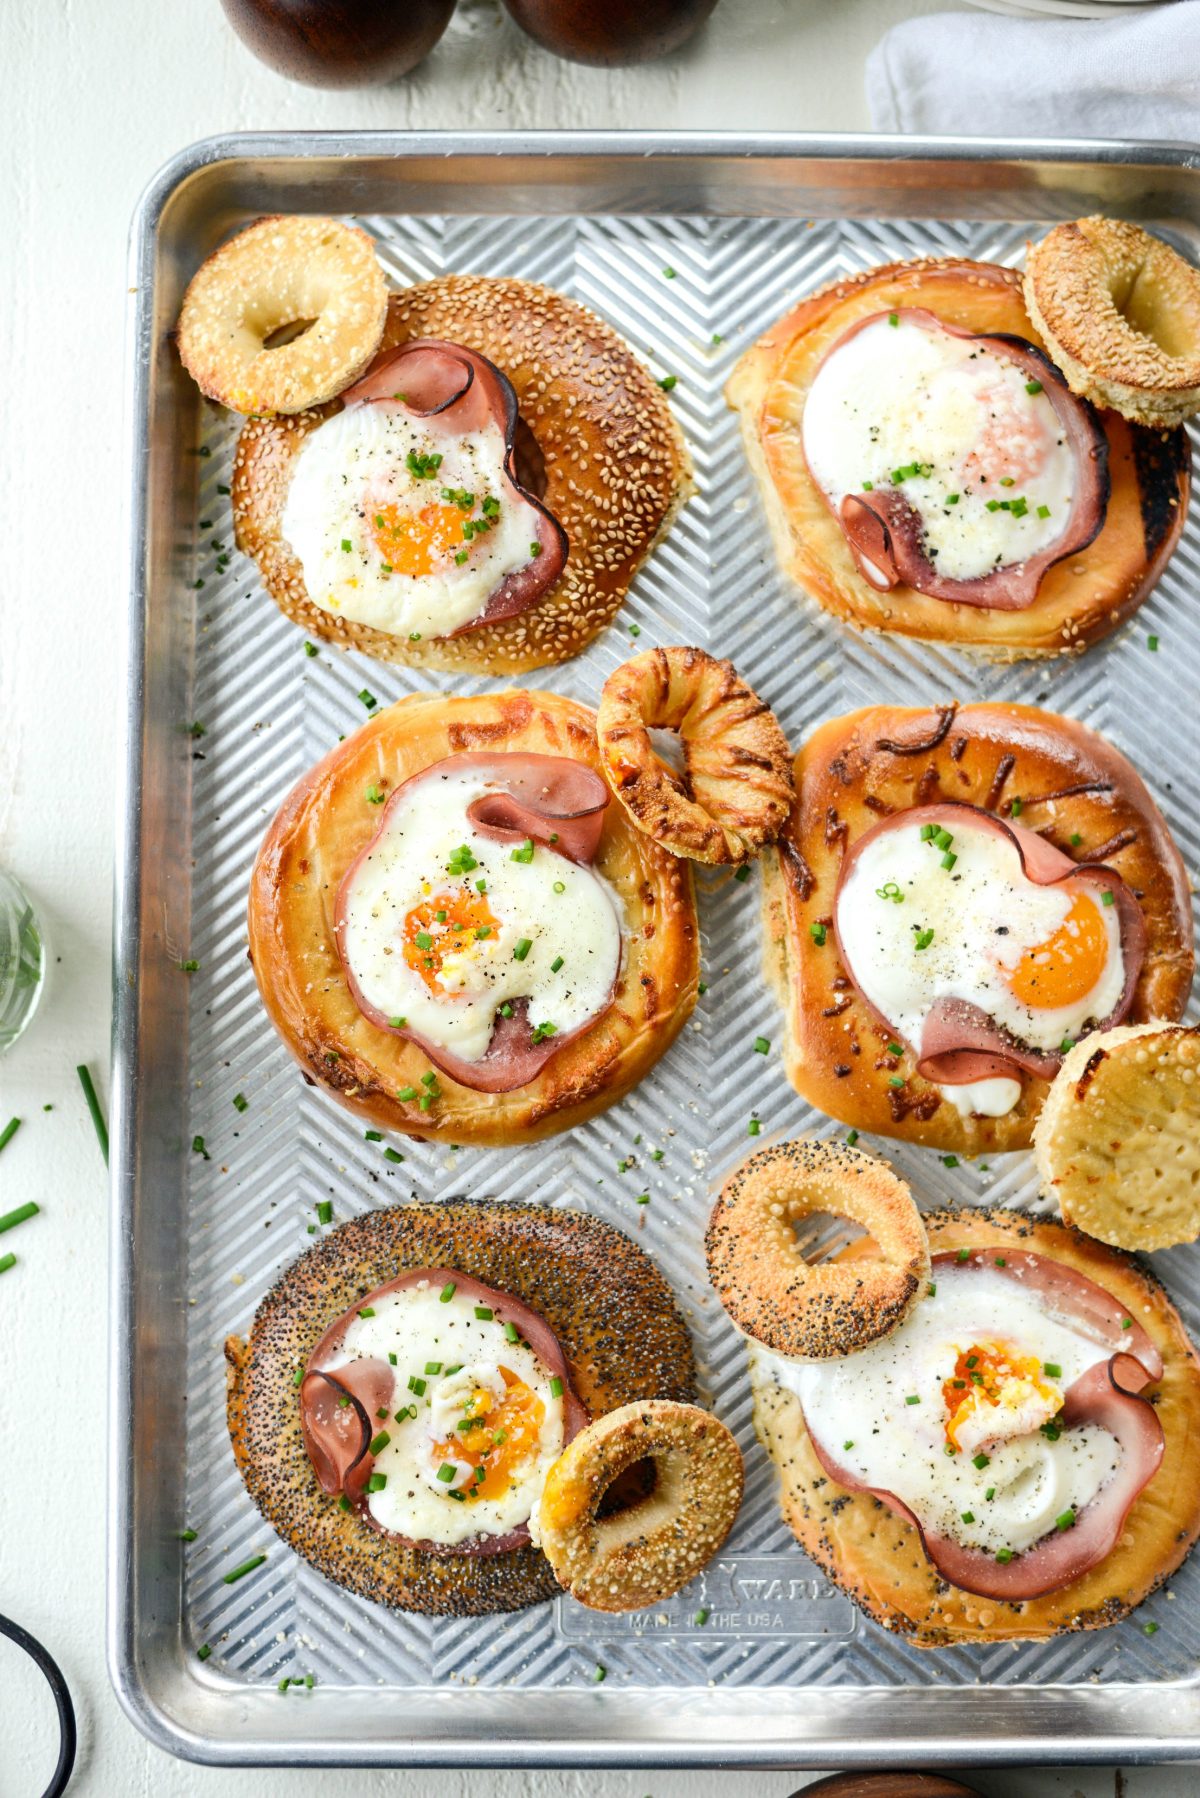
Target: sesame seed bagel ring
[
  {"x": 647, "y": 1551},
  {"x": 595, "y": 444},
  {"x": 1120, "y": 311},
  {"x": 828, "y": 1308},
  {"x": 280, "y": 272},
  {"x": 737, "y": 790}
]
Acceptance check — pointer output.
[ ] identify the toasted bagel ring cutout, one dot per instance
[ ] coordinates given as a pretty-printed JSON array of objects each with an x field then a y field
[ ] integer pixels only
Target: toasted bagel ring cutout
[
  {"x": 576, "y": 1272},
  {"x": 320, "y": 829},
  {"x": 1118, "y": 1140},
  {"x": 596, "y": 443},
  {"x": 1057, "y": 778},
  {"x": 1120, "y": 313},
  {"x": 279, "y": 272},
  {"x": 821, "y": 1309},
  {"x": 876, "y": 1557},
  {"x": 645, "y": 1553},
  {"x": 1079, "y": 600},
  {"x": 737, "y": 791}
]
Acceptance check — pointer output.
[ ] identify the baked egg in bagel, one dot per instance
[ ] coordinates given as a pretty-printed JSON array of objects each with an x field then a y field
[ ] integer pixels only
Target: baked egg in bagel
[
  {"x": 459, "y": 935},
  {"x": 962, "y": 894},
  {"x": 926, "y": 468},
  {"x": 481, "y": 498},
  {"x": 1029, "y": 1431},
  {"x": 408, "y": 1383}
]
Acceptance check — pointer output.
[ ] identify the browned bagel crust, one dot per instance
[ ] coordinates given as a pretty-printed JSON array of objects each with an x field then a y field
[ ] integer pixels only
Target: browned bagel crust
[
  {"x": 877, "y": 1558},
  {"x": 1079, "y": 600},
  {"x": 826, "y": 1308},
  {"x": 738, "y": 787},
  {"x": 857, "y": 769},
  {"x": 617, "y": 470},
  {"x": 646, "y": 1553},
  {"x": 326, "y": 820},
  {"x": 610, "y": 1308}
]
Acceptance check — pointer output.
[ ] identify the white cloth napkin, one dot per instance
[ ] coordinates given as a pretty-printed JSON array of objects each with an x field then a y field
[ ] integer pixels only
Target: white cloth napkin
[{"x": 983, "y": 75}]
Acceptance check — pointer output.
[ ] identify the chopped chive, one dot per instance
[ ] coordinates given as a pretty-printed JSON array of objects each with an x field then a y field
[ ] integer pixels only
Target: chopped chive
[
  {"x": 1052, "y": 1370},
  {"x": 11, "y": 1219},
  {"x": 445, "y": 1473},
  {"x": 393, "y": 1155},
  {"x": 980, "y": 1460},
  {"x": 931, "y": 1289},
  {"x": 643, "y": 1198},
  {"x": 1076, "y": 839},
  {"x": 742, "y": 873},
  {"x": 1106, "y": 897},
  {"x": 405, "y": 1093},
  {"x": 246, "y": 1567},
  {"x": 817, "y": 932},
  {"x": 1127, "y": 1323},
  {"x": 1065, "y": 1519},
  {"x": 949, "y": 1160},
  {"x": 1001, "y": 1261},
  {"x": 556, "y": 964},
  {"x": 556, "y": 1387},
  {"x": 669, "y": 383},
  {"x": 298, "y": 1377},
  {"x": 952, "y": 499},
  {"x": 896, "y": 1080},
  {"x": 203, "y": 1652},
  {"x": 366, "y": 1310},
  {"x": 852, "y": 1138},
  {"x": 949, "y": 859},
  {"x": 7, "y": 1261},
  {"x": 1152, "y": 643},
  {"x": 1043, "y": 511},
  {"x": 512, "y": 1334},
  {"x": 894, "y": 1049},
  {"x": 416, "y": 1384},
  {"x": 923, "y": 939},
  {"x": 753, "y": 1127},
  {"x": 188, "y": 1535},
  {"x": 447, "y": 1292},
  {"x": 701, "y": 1617},
  {"x": 378, "y": 1443},
  {"x": 560, "y": 886},
  {"x": 1004, "y": 1555},
  {"x": 521, "y": 949},
  {"x": 1149, "y": 1629},
  {"x": 372, "y": 1135},
  {"x": 990, "y": 1494},
  {"x": 967, "y": 1516},
  {"x": 868, "y": 486},
  {"x": 324, "y": 1211},
  {"x": 762, "y": 1046},
  {"x": 668, "y": 274},
  {"x": 506, "y": 1010},
  {"x": 198, "y": 1148},
  {"x": 914, "y": 1398},
  {"x": 893, "y": 318},
  {"x": 963, "y": 1255},
  {"x": 344, "y": 1503},
  {"x": 847, "y": 1445},
  {"x": 484, "y": 1313},
  {"x": 93, "y": 1105},
  {"x": 433, "y": 1367},
  {"x": 600, "y": 1674},
  {"x": 1033, "y": 386}
]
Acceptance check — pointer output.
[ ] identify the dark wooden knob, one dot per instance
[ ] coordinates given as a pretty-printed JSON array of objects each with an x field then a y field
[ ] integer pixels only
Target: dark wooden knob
[
  {"x": 340, "y": 43},
  {"x": 610, "y": 32}
]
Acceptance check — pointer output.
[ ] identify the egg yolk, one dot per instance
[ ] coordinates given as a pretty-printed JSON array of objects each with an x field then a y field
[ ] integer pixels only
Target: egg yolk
[
  {"x": 497, "y": 1436},
  {"x": 990, "y": 1375},
  {"x": 443, "y": 925},
  {"x": 417, "y": 543},
  {"x": 1067, "y": 966}
]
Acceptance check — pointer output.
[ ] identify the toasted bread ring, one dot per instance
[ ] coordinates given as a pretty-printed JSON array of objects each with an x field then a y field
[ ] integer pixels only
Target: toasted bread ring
[
  {"x": 877, "y": 1558},
  {"x": 283, "y": 271},
  {"x": 1120, "y": 312},
  {"x": 575, "y": 1271},
  {"x": 821, "y": 1309},
  {"x": 738, "y": 787},
  {"x": 616, "y": 471},
  {"x": 1067, "y": 782},
  {"x": 320, "y": 828},
  {"x": 647, "y": 1552},
  {"x": 1079, "y": 600},
  {"x": 1117, "y": 1140}
]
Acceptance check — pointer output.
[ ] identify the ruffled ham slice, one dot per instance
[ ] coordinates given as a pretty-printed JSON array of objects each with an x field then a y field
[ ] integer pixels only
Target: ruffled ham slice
[
  {"x": 885, "y": 531},
  {"x": 459, "y": 391},
  {"x": 1107, "y": 1394},
  {"x": 547, "y": 799},
  {"x": 340, "y": 1399},
  {"x": 959, "y": 1042}
]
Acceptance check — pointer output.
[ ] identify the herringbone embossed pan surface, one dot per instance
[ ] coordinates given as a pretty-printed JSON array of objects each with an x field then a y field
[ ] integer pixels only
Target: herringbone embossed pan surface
[{"x": 218, "y": 1199}]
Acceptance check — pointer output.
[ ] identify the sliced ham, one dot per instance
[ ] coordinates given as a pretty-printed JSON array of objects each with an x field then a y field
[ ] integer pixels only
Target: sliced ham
[
  {"x": 552, "y": 801},
  {"x": 338, "y": 1435},
  {"x": 959, "y": 1042},
  {"x": 886, "y": 534},
  {"x": 1108, "y": 1395},
  {"x": 459, "y": 391}
]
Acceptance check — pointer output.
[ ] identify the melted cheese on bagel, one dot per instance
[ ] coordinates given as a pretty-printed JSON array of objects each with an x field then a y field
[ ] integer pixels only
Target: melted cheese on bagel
[
  {"x": 969, "y": 439},
  {"x": 444, "y": 926},
  {"x": 477, "y": 1423},
  {"x": 400, "y": 524},
  {"x": 954, "y": 1413}
]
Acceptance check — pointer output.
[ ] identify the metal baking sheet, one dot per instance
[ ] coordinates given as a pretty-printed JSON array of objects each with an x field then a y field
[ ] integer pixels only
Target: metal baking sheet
[{"x": 784, "y": 1672}]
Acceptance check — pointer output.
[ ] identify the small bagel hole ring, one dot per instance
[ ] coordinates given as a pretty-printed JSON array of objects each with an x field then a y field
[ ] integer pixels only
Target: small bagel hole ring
[{"x": 820, "y": 1309}]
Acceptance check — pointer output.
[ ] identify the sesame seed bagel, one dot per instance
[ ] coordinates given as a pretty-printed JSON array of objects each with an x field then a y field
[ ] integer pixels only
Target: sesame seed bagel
[
  {"x": 609, "y": 1307},
  {"x": 877, "y": 1558},
  {"x": 737, "y": 790},
  {"x": 325, "y": 822},
  {"x": 826, "y": 1308},
  {"x": 1118, "y": 1139},
  {"x": 283, "y": 271},
  {"x": 1120, "y": 312},
  {"x": 648, "y": 1551},
  {"x": 596, "y": 443}
]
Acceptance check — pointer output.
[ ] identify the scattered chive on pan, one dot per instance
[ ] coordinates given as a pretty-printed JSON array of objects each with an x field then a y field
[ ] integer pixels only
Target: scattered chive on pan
[
  {"x": 231, "y": 1578},
  {"x": 93, "y": 1105},
  {"x": 10, "y": 1219}
]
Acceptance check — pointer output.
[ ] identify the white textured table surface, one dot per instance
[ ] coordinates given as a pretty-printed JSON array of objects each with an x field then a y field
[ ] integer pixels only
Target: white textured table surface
[{"x": 95, "y": 97}]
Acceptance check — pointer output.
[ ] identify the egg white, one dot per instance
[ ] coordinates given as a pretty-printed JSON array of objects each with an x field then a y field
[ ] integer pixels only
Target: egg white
[
  {"x": 984, "y": 914},
  {"x": 582, "y": 924},
  {"x": 895, "y": 395},
  {"x": 417, "y": 1328},
  {"x": 858, "y": 1408},
  {"x": 356, "y": 462}
]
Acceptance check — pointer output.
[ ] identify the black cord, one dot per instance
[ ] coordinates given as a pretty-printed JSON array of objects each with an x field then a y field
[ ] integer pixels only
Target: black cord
[{"x": 62, "y": 1702}]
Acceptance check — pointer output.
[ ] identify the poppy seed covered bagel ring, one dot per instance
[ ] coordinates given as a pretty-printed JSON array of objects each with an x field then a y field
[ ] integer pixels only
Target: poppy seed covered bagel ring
[
  {"x": 1120, "y": 312},
  {"x": 596, "y": 445},
  {"x": 610, "y": 1309},
  {"x": 738, "y": 787},
  {"x": 828, "y": 1308},
  {"x": 279, "y": 272},
  {"x": 647, "y": 1552}
]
